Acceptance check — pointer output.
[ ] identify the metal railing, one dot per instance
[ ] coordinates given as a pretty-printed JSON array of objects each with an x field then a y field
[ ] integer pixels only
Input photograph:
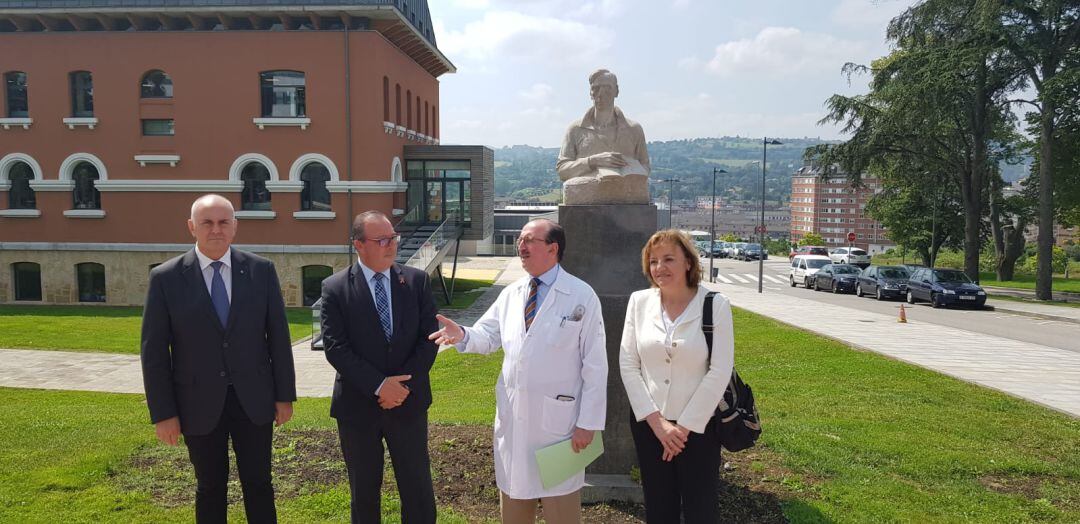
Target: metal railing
[{"x": 429, "y": 252}]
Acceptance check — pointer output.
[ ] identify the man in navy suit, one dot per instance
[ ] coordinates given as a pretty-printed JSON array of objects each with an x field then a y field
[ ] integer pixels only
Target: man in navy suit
[
  {"x": 217, "y": 361},
  {"x": 376, "y": 315}
]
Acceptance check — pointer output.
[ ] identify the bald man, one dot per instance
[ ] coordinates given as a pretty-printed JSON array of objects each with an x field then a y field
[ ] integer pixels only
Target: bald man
[{"x": 217, "y": 361}]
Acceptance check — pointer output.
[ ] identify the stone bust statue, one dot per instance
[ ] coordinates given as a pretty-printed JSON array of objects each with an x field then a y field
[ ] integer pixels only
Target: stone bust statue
[{"x": 603, "y": 159}]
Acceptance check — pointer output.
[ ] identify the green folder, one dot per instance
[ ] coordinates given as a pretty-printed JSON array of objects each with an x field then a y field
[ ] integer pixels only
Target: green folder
[{"x": 558, "y": 462}]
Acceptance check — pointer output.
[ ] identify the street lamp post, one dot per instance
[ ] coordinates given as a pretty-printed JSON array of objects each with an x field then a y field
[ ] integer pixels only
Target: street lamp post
[
  {"x": 712, "y": 228},
  {"x": 670, "y": 202},
  {"x": 765, "y": 143}
]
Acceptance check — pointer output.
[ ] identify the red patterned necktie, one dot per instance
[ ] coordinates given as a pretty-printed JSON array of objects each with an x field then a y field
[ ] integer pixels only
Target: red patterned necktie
[{"x": 530, "y": 304}]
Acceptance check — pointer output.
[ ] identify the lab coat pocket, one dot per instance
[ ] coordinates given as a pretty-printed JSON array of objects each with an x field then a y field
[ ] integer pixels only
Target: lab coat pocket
[{"x": 558, "y": 416}]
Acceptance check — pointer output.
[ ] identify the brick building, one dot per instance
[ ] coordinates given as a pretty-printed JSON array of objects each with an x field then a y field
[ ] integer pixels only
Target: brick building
[
  {"x": 831, "y": 207},
  {"x": 116, "y": 114}
]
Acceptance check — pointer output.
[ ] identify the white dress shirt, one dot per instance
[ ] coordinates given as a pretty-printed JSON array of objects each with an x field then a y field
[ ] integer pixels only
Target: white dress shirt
[
  {"x": 208, "y": 272},
  {"x": 667, "y": 369},
  {"x": 369, "y": 277}
]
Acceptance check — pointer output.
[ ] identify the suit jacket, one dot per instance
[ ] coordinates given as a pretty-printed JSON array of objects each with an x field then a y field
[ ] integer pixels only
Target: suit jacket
[
  {"x": 357, "y": 348},
  {"x": 188, "y": 357},
  {"x": 678, "y": 380}
]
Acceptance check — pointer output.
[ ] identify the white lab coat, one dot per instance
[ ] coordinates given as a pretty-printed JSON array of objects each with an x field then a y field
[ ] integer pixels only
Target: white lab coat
[{"x": 556, "y": 357}]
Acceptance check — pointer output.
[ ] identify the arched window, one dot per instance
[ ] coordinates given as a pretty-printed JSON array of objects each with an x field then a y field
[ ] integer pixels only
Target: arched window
[
  {"x": 82, "y": 94},
  {"x": 26, "y": 280},
  {"x": 418, "y": 119},
  {"x": 91, "y": 280},
  {"x": 427, "y": 120},
  {"x": 255, "y": 196},
  {"x": 314, "y": 196},
  {"x": 21, "y": 196},
  {"x": 397, "y": 104},
  {"x": 85, "y": 196},
  {"x": 408, "y": 109},
  {"x": 18, "y": 103},
  {"x": 283, "y": 94},
  {"x": 156, "y": 84},
  {"x": 385, "y": 99},
  {"x": 311, "y": 282},
  {"x": 434, "y": 121}
]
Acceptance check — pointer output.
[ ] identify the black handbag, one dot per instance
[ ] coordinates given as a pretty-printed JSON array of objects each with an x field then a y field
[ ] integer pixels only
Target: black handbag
[{"x": 737, "y": 425}]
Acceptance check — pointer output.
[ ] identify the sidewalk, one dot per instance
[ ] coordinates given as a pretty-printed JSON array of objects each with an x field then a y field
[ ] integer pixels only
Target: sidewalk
[
  {"x": 113, "y": 373},
  {"x": 1040, "y": 374},
  {"x": 1047, "y": 311}
]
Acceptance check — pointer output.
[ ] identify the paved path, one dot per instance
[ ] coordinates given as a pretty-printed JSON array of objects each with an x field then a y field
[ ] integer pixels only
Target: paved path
[
  {"x": 109, "y": 372},
  {"x": 1041, "y": 374}
]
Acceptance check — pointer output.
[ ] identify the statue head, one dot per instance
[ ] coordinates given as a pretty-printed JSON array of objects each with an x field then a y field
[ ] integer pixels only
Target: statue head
[{"x": 603, "y": 88}]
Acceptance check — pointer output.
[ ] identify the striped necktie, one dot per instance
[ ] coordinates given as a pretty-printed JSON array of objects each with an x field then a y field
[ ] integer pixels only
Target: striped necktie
[{"x": 530, "y": 304}]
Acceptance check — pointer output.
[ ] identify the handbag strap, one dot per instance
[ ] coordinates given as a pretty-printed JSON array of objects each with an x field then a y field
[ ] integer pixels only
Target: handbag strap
[{"x": 707, "y": 321}]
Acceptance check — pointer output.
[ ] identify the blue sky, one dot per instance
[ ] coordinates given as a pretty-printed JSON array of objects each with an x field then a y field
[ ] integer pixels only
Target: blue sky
[{"x": 686, "y": 68}]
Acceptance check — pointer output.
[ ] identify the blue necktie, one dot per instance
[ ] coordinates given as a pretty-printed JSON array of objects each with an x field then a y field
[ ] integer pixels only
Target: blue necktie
[
  {"x": 382, "y": 304},
  {"x": 530, "y": 303},
  {"x": 219, "y": 296}
]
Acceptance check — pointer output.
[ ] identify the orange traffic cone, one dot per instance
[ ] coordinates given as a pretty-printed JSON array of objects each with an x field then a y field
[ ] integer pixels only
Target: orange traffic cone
[{"x": 903, "y": 315}]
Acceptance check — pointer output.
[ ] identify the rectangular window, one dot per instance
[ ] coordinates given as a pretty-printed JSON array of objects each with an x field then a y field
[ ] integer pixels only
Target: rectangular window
[
  {"x": 82, "y": 94},
  {"x": 157, "y": 128},
  {"x": 18, "y": 105},
  {"x": 283, "y": 94}
]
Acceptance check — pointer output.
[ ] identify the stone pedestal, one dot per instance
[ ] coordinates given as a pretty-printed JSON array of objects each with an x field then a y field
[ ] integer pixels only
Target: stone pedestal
[{"x": 603, "y": 248}]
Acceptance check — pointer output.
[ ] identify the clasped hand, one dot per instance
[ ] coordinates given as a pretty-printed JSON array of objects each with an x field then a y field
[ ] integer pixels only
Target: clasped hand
[
  {"x": 393, "y": 393},
  {"x": 609, "y": 160},
  {"x": 672, "y": 437}
]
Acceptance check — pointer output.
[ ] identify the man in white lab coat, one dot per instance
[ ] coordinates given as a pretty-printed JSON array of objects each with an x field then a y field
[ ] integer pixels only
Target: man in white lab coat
[{"x": 553, "y": 384}]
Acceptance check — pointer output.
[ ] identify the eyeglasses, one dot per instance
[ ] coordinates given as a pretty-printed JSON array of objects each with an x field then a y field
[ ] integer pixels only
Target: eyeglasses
[
  {"x": 385, "y": 241},
  {"x": 526, "y": 240}
]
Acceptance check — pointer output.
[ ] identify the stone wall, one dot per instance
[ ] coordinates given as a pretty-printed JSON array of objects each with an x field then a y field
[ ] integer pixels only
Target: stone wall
[{"x": 127, "y": 273}]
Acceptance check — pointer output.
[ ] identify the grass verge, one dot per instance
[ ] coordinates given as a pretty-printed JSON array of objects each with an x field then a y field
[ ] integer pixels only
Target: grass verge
[
  {"x": 1021, "y": 281},
  {"x": 106, "y": 329},
  {"x": 849, "y": 436},
  {"x": 466, "y": 291},
  {"x": 1033, "y": 301}
]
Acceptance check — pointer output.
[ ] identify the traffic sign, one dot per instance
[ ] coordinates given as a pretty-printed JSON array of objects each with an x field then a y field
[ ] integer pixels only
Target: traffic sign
[{"x": 851, "y": 237}]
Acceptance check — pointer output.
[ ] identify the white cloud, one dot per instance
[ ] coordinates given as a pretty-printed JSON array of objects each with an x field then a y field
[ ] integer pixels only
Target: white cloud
[
  {"x": 472, "y": 4},
  {"x": 505, "y": 35},
  {"x": 680, "y": 4},
  {"x": 536, "y": 93},
  {"x": 784, "y": 51}
]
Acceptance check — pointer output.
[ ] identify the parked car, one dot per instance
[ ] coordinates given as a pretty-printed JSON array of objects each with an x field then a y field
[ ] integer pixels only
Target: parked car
[
  {"x": 883, "y": 282},
  {"x": 803, "y": 268},
  {"x": 735, "y": 250},
  {"x": 943, "y": 287},
  {"x": 850, "y": 255},
  {"x": 721, "y": 249},
  {"x": 753, "y": 252},
  {"x": 809, "y": 250},
  {"x": 838, "y": 278}
]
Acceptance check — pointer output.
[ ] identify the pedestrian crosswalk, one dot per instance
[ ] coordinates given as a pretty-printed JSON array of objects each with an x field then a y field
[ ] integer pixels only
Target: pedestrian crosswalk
[{"x": 748, "y": 278}]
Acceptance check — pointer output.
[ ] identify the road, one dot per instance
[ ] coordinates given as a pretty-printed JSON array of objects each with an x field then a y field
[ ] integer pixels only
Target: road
[{"x": 1052, "y": 333}]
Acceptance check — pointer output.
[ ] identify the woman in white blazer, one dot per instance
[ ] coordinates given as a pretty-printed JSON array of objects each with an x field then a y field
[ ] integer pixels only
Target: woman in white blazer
[{"x": 672, "y": 385}]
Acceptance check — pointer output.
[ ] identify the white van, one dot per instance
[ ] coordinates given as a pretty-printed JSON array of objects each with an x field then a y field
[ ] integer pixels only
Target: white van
[{"x": 803, "y": 266}]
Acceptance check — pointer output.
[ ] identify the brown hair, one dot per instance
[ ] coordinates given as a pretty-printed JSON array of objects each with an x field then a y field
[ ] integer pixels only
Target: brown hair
[{"x": 677, "y": 238}]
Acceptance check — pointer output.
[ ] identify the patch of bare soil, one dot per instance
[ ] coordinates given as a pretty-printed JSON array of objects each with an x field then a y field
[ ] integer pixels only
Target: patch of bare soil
[{"x": 308, "y": 461}]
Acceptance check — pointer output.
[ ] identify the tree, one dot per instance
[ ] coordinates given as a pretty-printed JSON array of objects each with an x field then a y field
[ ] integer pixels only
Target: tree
[
  {"x": 924, "y": 217},
  {"x": 1042, "y": 35},
  {"x": 812, "y": 239},
  {"x": 938, "y": 106},
  {"x": 1009, "y": 217}
]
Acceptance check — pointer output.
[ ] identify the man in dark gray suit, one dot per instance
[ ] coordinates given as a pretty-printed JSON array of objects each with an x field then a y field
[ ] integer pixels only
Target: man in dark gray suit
[
  {"x": 376, "y": 315},
  {"x": 217, "y": 361}
]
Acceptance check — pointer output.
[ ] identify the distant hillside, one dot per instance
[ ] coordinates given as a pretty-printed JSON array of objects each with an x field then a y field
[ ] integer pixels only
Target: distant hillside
[{"x": 528, "y": 173}]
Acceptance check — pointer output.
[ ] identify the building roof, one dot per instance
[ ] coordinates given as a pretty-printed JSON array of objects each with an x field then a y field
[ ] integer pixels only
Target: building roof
[{"x": 406, "y": 23}]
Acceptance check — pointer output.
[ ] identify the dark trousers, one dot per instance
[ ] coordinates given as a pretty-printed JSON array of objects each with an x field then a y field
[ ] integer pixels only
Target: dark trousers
[
  {"x": 210, "y": 455},
  {"x": 362, "y": 447},
  {"x": 686, "y": 485}
]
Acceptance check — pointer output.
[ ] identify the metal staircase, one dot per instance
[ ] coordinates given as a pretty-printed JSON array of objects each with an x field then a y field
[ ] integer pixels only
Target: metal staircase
[{"x": 425, "y": 246}]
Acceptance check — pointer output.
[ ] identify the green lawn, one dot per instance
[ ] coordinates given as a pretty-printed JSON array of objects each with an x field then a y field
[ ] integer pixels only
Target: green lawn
[
  {"x": 86, "y": 328},
  {"x": 466, "y": 291},
  {"x": 861, "y": 437},
  {"x": 1020, "y": 281}
]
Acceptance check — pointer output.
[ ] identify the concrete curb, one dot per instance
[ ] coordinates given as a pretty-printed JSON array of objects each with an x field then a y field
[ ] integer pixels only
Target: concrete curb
[{"x": 1033, "y": 314}]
